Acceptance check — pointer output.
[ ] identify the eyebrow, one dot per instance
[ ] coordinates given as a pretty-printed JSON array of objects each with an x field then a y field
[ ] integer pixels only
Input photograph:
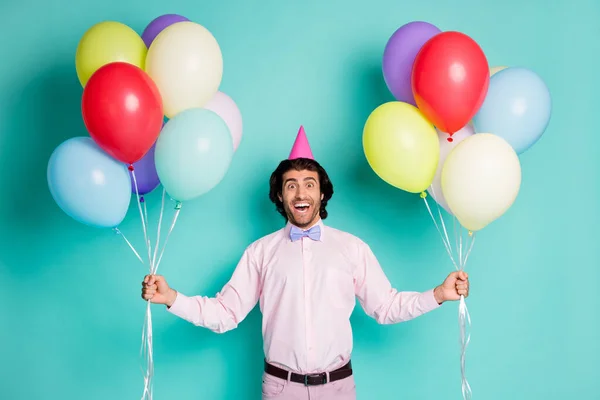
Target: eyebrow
[{"x": 308, "y": 178}]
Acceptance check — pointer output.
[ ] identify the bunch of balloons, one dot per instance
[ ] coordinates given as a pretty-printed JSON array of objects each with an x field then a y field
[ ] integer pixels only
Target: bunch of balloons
[
  {"x": 457, "y": 126},
  {"x": 456, "y": 130},
  {"x": 132, "y": 84}
]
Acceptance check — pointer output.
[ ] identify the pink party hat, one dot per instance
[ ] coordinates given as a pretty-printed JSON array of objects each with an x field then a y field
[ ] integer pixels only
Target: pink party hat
[{"x": 301, "y": 147}]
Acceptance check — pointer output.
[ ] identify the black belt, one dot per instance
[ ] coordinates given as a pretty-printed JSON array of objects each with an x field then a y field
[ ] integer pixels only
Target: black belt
[{"x": 310, "y": 379}]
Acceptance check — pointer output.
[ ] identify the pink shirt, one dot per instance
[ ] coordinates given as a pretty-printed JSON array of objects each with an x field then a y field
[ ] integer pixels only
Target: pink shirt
[{"x": 307, "y": 292}]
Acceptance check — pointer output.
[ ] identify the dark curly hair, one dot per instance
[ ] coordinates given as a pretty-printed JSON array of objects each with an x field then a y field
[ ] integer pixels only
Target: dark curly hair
[{"x": 299, "y": 164}]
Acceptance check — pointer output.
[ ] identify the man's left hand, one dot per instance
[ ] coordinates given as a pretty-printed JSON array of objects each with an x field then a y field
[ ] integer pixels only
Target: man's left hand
[{"x": 455, "y": 285}]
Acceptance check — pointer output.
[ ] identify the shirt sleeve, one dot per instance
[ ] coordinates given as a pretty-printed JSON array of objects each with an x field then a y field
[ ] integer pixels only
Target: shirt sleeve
[
  {"x": 379, "y": 299},
  {"x": 230, "y": 306}
]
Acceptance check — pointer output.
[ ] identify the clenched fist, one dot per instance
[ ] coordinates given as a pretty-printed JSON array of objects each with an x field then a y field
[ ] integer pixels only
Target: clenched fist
[
  {"x": 156, "y": 290},
  {"x": 455, "y": 285}
]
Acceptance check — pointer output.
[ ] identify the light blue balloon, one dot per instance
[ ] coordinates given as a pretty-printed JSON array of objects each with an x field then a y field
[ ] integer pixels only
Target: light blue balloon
[
  {"x": 193, "y": 153},
  {"x": 89, "y": 185},
  {"x": 517, "y": 108}
]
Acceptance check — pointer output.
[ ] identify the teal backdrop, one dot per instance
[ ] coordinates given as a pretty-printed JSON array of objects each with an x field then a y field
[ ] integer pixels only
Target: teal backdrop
[{"x": 71, "y": 313}]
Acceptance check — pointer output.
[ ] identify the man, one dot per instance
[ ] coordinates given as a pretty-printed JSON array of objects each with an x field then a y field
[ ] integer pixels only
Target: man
[{"x": 306, "y": 277}]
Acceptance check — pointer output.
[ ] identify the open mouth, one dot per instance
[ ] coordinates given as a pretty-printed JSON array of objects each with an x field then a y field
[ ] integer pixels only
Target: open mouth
[{"x": 301, "y": 207}]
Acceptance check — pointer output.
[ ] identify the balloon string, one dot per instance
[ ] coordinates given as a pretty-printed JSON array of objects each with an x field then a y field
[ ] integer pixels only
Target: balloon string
[
  {"x": 177, "y": 210},
  {"x": 465, "y": 337},
  {"x": 160, "y": 218},
  {"x": 460, "y": 246},
  {"x": 442, "y": 235},
  {"x": 439, "y": 209},
  {"x": 472, "y": 235},
  {"x": 464, "y": 318},
  {"x": 457, "y": 231},
  {"x": 146, "y": 350},
  {"x": 147, "y": 353},
  {"x": 143, "y": 201},
  {"x": 147, "y": 346},
  {"x": 144, "y": 227},
  {"x": 147, "y": 336},
  {"x": 118, "y": 232}
]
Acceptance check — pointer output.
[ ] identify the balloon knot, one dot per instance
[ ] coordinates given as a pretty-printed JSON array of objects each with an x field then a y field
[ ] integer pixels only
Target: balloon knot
[
  {"x": 450, "y": 140},
  {"x": 423, "y": 195},
  {"x": 178, "y": 205},
  {"x": 470, "y": 233},
  {"x": 130, "y": 167},
  {"x": 141, "y": 199}
]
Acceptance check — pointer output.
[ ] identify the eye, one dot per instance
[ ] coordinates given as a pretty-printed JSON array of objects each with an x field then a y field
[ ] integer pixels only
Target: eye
[
  {"x": 291, "y": 186},
  {"x": 310, "y": 185}
]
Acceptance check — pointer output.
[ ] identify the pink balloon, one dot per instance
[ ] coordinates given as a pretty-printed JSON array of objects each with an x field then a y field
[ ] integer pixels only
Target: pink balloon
[
  {"x": 225, "y": 107},
  {"x": 447, "y": 144}
]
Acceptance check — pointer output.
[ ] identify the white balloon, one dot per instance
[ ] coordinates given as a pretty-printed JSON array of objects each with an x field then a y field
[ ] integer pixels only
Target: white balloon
[
  {"x": 481, "y": 179},
  {"x": 186, "y": 63},
  {"x": 435, "y": 190}
]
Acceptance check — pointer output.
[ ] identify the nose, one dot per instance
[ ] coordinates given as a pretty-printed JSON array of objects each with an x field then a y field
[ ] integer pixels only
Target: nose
[{"x": 300, "y": 193}]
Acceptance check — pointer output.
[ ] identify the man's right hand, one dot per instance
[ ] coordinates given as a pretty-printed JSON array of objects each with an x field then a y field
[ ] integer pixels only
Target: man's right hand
[{"x": 156, "y": 290}]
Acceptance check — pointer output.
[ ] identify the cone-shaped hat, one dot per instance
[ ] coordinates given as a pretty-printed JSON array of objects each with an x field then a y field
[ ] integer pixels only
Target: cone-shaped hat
[{"x": 301, "y": 148}]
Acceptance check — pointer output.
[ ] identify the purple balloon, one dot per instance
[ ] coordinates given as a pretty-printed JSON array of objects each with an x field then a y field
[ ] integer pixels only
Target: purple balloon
[
  {"x": 399, "y": 55},
  {"x": 158, "y": 24},
  {"x": 145, "y": 174}
]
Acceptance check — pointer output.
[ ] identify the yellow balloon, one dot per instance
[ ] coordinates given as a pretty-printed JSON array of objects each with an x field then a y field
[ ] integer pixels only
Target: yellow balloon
[
  {"x": 401, "y": 146},
  {"x": 494, "y": 70},
  {"x": 108, "y": 42}
]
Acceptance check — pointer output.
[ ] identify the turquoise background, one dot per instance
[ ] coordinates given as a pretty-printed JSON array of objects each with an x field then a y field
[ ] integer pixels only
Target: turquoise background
[{"x": 71, "y": 315}]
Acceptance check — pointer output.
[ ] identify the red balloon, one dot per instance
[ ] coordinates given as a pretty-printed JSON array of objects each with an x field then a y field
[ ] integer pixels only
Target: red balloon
[
  {"x": 122, "y": 110},
  {"x": 450, "y": 79}
]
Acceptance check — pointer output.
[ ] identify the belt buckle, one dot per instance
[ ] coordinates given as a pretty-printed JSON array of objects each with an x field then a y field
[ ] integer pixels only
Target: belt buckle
[{"x": 323, "y": 375}]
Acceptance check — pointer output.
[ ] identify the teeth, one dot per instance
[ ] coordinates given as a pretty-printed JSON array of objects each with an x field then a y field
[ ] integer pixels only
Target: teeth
[{"x": 299, "y": 205}]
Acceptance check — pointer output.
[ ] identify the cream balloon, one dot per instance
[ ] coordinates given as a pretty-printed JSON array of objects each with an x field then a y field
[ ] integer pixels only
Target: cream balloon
[
  {"x": 495, "y": 70},
  {"x": 481, "y": 179},
  {"x": 435, "y": 190},
  {"x": 186, "y": 63}
]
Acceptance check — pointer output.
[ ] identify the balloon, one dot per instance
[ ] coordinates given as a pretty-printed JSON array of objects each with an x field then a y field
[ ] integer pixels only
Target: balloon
[
  {"x": 193, "y": 153},
  {"x": 481, "y": 179},
  {"x": 87, "y": 184},
  {"x": 186, "y": 63},
  {"x": 146, "y": 176},
  {"x": 446, "y": 146},
  {"x": 517, "y": 108},
  {"x": 122, "y": 111},
  {"x": 399, "y": 56},
  {"x": 108, "y": 42},
  {"x": 226, "y": 108},
  {"x": 158, "y": 24},
  {"x": 401, "y": 146},
  {"x": 450, "y": 78},
  {"x": 495, "y": 70}
]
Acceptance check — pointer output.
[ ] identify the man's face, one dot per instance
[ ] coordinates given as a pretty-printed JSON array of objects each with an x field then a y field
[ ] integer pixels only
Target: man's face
[{"x": 301, "y": 197}]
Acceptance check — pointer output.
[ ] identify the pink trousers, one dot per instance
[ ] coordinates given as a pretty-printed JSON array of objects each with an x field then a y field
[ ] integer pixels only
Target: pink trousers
[{"x": 274, "y": 388}]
